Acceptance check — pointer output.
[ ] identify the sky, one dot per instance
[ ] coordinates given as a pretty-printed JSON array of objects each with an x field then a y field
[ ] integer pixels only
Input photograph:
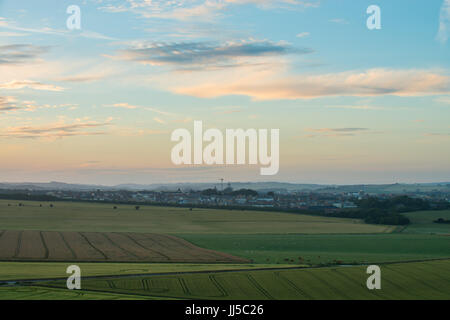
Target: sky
[{"x": 98, "y": 104}]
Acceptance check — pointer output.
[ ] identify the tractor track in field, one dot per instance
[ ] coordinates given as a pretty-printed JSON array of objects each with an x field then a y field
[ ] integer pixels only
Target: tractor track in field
[
  {"x": 44, "y": 244},
  {"x": 145, "y": 285},
  {"x": 144, "y": 247},
  {"x": 184, "y": 286},
  {"x": 335, "y": 290},
  {"x": 217, "y": 284},
  {"x": 119, "y": 292},
  {"x": 94, "y": 247},
  {"x": 121, "y": 248},
  {"x": 19, "y": 244},
  {"x": 346, "y": 277},
  {"x": 74, "y": 255},
  {"x": 415, "y": 278},
  {"x": 293, "y": 285},
  {"x": 111, "y": 284},
  {"x": 162, "y": 244},
  {"x": 259, "y": 288}
]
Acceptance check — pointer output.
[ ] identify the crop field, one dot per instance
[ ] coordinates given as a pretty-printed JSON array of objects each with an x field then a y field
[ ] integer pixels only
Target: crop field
[
  {"x": 422, "y": 222},
  {"x": 102, "y": 246},
  {"x": 414, "y": 280},
  {"x": 39, "y": 293},
  {"x": 327, "y": 249},
  {"x": 94, "y": 217},
  {"x": 51, "y": 270}
]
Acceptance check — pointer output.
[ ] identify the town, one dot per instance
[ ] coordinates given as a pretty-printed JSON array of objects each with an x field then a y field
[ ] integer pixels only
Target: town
[{"x": 326, "y": 199}]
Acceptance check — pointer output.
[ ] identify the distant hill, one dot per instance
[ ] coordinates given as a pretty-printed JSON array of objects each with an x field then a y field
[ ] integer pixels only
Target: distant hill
[
  {"x": 259, "y": 186},
  {"x": 396, "y": 188},
  {"x": 51, "y": 186}
]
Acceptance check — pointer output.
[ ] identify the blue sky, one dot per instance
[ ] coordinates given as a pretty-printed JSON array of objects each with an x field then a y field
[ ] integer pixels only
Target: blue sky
[{"x": 97, "y": 105}]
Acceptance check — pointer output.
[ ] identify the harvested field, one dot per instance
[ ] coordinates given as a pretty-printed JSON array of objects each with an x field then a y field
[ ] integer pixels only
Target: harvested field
[
  {"x": 9, "y": 243},
  {"x": 32, "y": 246},
  {"x": 103, "y": 246},
  {"x": 57, "y": 247}
]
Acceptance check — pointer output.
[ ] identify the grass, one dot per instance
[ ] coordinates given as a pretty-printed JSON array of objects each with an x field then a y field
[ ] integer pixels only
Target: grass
[
  {"x": 95, "y": 217},
  {"x": 411, "y": 281},
  {"x": 422, "y": 222},
  {"x": 325, "y": 249},
  {"x": 47, "y": 270}
]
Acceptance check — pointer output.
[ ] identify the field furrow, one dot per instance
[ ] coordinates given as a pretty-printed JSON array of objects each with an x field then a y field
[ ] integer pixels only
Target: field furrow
[
  {"x": 154, "y": 254},
  {"x": 129, "y": 246},
  {"x": 57, "y": 246},
  {"x": 41, "y": 235},
  {"x": 8, "y": 244},
  {"x": 18, "y": 245},
  {"x": 111, "y": 251},
  {"x": 103, "y": 246},
  {"x": 31, "y": 246},
  {"x": 82, "y": 248}
]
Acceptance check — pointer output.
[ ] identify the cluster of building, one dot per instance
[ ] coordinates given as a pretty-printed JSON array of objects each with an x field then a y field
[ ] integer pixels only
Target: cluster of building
[
  {"x": 324, "y": 200},
  {"x": 228, "y": 197}
]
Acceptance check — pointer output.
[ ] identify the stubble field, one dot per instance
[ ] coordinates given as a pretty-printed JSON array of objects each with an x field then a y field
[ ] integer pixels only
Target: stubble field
[{"x": 103, "y": 246}]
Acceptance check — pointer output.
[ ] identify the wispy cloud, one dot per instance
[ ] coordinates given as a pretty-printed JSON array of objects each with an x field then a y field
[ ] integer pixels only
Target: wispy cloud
[
  {"x": 334, "y": 132},
  {"x": 12, "y": 85},
  {"x": 444, "y": 22},
  {"x": 7, "y": 104},
  {"x": 204, "y": 54},
  {"x": 336, "y": 129},
  {"x": 15, "y": 54},
  {"x": 33, "y": 106},
  {"x": 373, "y": 82},
  {"x": 199, "y": 10},
  {"x": 356, "y": 107},
  {"x": 159, "y": 120},
  {"x": 11, "y": 25},
  {"x": 303, "y": 34},
  {"x": 56, "y": 130},
  {"x": 82, "y": 78},
  {"x": 339, "y": 21},
  {"x": 12, "y": 34},
  {"x": 126, "y": 105},
  {"x": 123, "y": 105}
]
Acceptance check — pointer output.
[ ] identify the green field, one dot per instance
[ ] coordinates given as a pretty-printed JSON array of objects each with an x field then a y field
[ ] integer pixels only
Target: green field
[
  {"x": 93, "y": 217},
  {"x": 422, "y": 222},
  {"x": 39, "y": 293},
  {"x": 419, "y": 280},
  {"x": 325, "y": 249},
  {"x": 48, "y": 270}
]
